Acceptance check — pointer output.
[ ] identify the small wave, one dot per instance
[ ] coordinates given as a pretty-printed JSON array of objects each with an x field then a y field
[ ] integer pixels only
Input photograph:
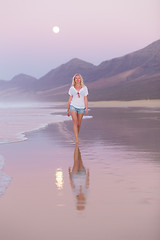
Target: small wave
[
  {"x": 1, "y": 162},
  {"x": 4, "y": 178},
  {"x": 15, "y": 122}
]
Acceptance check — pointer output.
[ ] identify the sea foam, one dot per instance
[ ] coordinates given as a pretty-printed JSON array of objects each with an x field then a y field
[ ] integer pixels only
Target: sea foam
[{"x": 4, "y": 178}]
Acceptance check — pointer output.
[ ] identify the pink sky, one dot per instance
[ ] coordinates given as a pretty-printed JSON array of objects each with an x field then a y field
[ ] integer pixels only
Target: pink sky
[{"x": 93, "y": 31}]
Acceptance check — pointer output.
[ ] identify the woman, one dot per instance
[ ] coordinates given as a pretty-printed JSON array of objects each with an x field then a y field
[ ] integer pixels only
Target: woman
[{"x": 77, "y": 103}]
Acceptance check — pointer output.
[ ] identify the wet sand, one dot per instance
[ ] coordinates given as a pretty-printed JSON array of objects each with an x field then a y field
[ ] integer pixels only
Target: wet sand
[{"x": 118, "y": 194}]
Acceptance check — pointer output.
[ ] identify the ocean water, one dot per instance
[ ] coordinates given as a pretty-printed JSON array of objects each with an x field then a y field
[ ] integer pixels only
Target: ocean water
[
  {"x": 107, "y": 187},
  {"x": 17, "y": 119}
]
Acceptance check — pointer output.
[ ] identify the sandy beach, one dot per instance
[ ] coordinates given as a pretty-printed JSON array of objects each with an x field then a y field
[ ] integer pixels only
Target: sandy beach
[
  {"x": 134, "y": 103},
  {"x": 114, "y": 195}
]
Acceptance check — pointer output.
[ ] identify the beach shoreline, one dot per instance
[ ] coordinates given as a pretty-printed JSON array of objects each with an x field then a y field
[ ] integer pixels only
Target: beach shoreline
[
  {"x": 58, "y": 109},
  {"x": 133, "y": 103},
  {"x": 149, "y": 103}
]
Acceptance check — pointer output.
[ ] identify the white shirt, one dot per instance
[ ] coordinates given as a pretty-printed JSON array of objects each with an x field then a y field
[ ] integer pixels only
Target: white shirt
[{"x": 78, "y": 97}]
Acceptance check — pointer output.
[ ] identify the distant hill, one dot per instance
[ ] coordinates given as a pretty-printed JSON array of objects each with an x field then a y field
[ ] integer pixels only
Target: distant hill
[
  {"x": 133, "y": 76},
  {"x": 20, "y": 87}
]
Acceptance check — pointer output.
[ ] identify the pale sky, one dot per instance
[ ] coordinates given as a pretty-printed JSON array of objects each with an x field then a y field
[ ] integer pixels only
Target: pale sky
[{"x": 93, "y": 31}]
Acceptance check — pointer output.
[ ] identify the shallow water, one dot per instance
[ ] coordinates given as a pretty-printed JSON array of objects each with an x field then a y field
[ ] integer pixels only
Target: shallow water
[
  {"x": 16, "y": 120},
  {"x": 107, "y": 188}
]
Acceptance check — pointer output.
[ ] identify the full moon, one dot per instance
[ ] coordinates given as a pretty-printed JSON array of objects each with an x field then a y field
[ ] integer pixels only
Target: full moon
[{"x": 56, "y": 29}]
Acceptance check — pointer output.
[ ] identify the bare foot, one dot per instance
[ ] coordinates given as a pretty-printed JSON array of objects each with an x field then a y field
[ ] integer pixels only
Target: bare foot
[{"x": 77, "y": 141}]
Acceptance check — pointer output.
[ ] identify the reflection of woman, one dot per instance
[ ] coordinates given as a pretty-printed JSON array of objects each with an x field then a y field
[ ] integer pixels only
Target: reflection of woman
[
  {"x": 79, "y": 179},
  {"x": 77, "y": 103}
]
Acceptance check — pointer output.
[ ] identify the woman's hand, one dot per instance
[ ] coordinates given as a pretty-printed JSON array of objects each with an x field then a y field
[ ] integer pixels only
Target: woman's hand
[
  {"x": 68, "y": 113},
  {"x": 69, "y": 102}
]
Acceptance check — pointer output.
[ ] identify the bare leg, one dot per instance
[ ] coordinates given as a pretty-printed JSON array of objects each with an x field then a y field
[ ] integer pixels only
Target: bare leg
[
  {"x": 75, "y": 124},
  {"x": 80, "y": 116}
]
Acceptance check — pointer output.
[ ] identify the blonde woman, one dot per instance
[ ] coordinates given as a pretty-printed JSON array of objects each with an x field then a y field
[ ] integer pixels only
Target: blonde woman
[{"x": 77, "y": 103}]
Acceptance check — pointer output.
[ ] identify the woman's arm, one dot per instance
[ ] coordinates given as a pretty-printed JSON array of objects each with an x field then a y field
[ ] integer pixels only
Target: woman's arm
[
  {"x": 69, "y": 102},
  {"x": 86, "y": 103}
]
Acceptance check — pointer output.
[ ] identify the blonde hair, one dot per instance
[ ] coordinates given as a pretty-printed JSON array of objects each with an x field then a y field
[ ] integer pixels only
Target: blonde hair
[{"x": 73, "y": 80}]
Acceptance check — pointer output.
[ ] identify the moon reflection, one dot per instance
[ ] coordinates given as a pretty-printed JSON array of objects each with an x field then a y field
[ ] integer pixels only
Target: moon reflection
[{"x": 59, "y": 179}]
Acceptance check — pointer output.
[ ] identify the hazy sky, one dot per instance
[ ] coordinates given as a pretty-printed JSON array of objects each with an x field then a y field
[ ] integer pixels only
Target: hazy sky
[{"x": 93, "y": 31}]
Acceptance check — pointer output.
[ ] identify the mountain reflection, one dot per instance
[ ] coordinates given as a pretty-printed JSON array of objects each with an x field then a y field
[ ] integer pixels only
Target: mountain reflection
[{"x": 79, "y": 179}]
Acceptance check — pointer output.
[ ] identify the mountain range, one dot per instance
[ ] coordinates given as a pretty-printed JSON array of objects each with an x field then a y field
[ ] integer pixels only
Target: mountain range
[{"x": 130, "y": 77}]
